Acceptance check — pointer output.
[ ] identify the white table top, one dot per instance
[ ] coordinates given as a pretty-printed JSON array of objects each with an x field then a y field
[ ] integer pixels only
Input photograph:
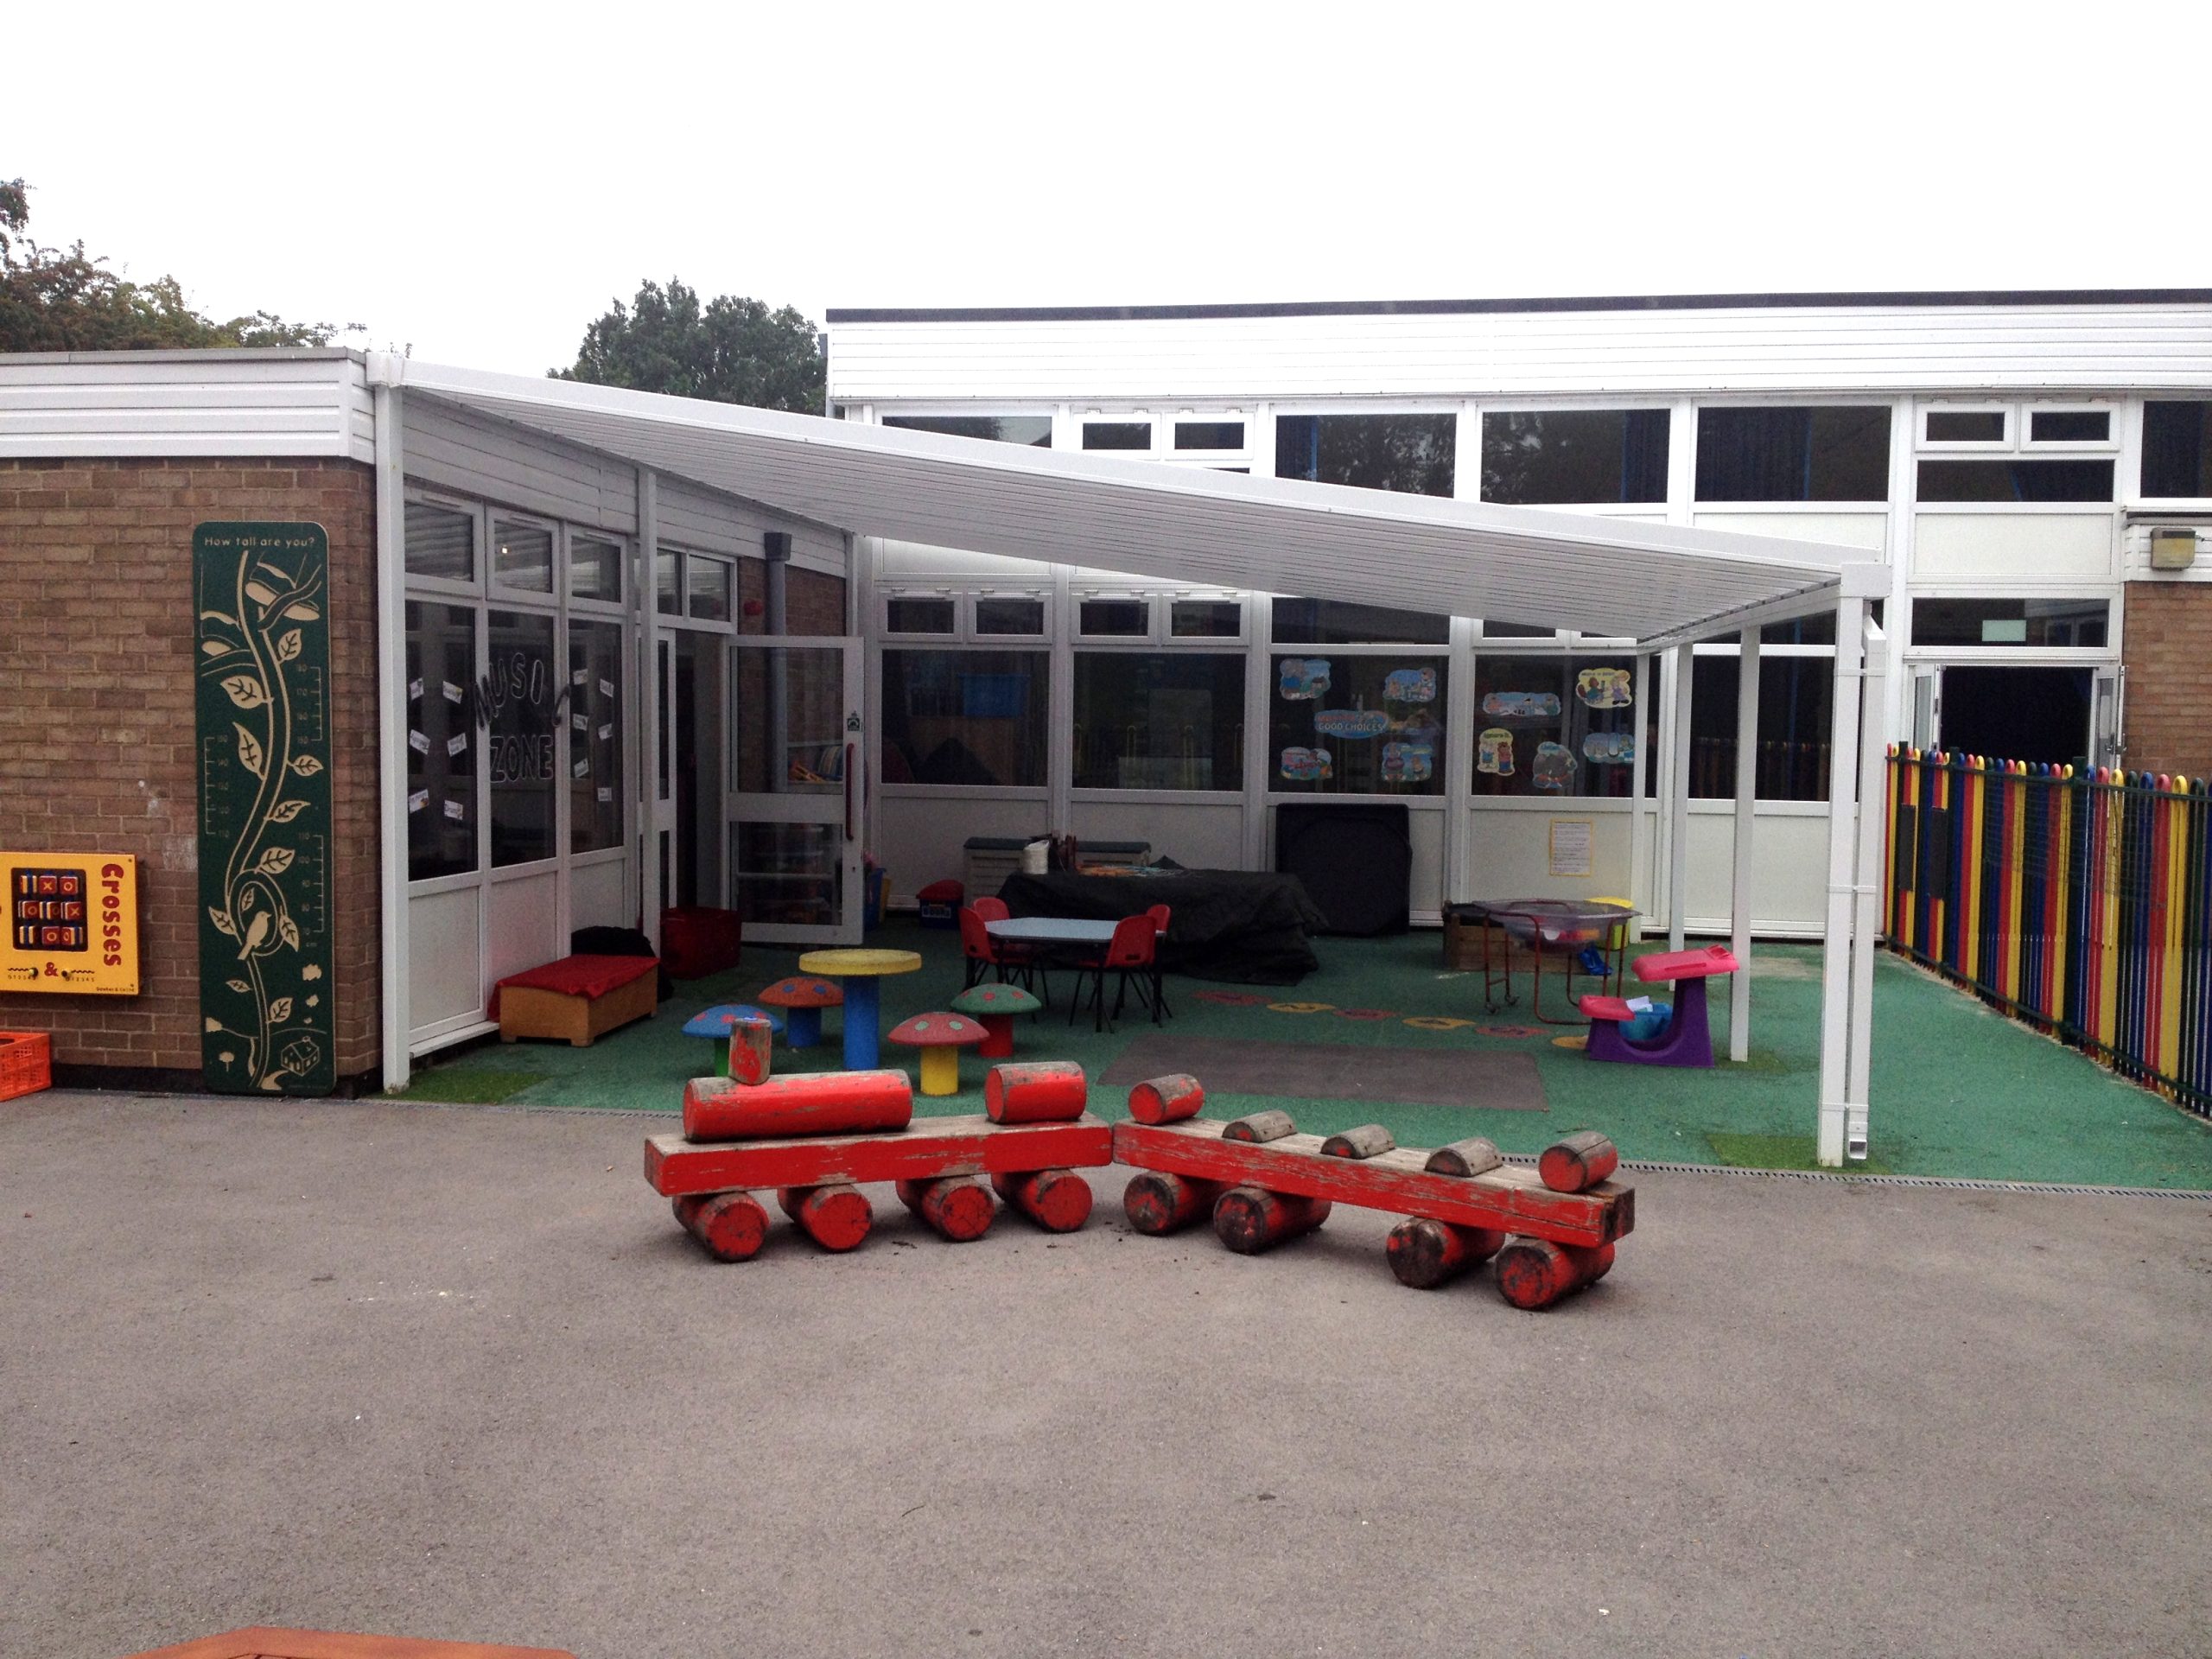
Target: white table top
[{"x": 1052, "y": 930}]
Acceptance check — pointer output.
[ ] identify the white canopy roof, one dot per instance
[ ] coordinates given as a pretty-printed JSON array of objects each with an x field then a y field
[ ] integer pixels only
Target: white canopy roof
[{"x": 1658, "y": 584}]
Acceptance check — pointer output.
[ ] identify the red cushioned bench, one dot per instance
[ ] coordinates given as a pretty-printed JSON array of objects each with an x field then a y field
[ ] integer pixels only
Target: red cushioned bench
[{"x": 576, "y": 1000}]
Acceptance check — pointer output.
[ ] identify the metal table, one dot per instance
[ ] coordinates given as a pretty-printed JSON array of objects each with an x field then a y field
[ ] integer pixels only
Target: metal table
[
  {"x": 1088, "y": 932},
  {"x": 1566, "y": 924}
]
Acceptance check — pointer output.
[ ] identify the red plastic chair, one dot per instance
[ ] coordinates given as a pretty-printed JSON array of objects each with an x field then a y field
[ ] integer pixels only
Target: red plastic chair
[
  {"x": 986, "y": 955},
  {"x": 1134, "y": 948},
  {"x": 992, "y": 910}
]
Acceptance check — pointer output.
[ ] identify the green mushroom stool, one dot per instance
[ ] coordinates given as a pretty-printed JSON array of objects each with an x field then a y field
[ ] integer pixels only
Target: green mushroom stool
[{"x": 995, "y": 1007}]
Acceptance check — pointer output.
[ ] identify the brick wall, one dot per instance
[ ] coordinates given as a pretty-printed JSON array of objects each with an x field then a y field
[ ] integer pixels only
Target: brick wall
[
  {"x": 97, "y": 720},
  {"x": 813, "y": 602},
  {"x": 2168, "y": 648}
]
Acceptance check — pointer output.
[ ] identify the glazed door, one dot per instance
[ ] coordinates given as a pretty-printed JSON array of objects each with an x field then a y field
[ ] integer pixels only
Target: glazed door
[{"x": 795, "y": 801}]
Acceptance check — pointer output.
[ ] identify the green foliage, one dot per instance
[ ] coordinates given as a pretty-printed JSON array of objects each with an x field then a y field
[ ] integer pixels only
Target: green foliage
[
  {"x": 730, "y": 350},
  {"x": 63, "y": 300}
]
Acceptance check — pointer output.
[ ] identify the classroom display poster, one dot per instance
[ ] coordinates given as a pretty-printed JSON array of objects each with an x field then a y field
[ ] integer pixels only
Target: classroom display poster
[
  {"x": 268, "y": 1020},
  {"x": 73, "y": 923},
  {"x": 1572, "y": 846}
]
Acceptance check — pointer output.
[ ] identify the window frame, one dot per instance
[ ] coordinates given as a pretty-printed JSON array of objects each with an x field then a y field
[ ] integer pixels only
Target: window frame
[{"x": 2008, "y": 413}]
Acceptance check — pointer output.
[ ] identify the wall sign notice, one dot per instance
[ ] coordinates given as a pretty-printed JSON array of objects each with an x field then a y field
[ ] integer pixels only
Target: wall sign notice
[
  {"x": 268, "y": 1021},
  {"x": 73, "y": 923},
  {"x": 1571, "y": 846}
]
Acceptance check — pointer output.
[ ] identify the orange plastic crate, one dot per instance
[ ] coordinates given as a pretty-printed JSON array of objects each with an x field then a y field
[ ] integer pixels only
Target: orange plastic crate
[{"x": 26, "y": 1062}]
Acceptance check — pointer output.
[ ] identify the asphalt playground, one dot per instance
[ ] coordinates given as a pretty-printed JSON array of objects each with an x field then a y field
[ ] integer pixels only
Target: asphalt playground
[{"x": 453, "y": 1372}]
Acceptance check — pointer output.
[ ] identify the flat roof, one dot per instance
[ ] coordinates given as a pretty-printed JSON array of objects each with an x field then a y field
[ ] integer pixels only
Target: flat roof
[{"x": 1901, "y": 299}]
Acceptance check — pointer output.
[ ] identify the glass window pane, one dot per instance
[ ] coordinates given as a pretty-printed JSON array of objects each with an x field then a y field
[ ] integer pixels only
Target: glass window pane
[
  {"x": 2011, "y": 621},
  {"x": 904, "y": 615},
  {"x": 1113, "y": 618},
  {"x": 1336, "y": 622},
  {"x": 1117, "y": 435},
  {"x": 1209, "y": 435},
  {"x": 1548, "y": 457},
  {"x": 1966, "y": 426},
  {"x": 522, "y": 698},
  {"x": 1496, "y": 627},
  {"x": 2016, "y": 481},
  {"x": 668, "y": 582},
  {"x": 1356, "y": 725},
  {"x": 1024, "y": 617},
  {"x": 441, "y": 740},
  {"x": 595, "y": 712},
  {"x": 1159, "y": 720},
  {"x": 1411, "y": 453},
  {"x": 594, "y": 569},
  {"x": 522, "y": 555},
  {"x": 1205, "y": 619},
  {"x": 1035, "y": 431},
  {"x": 707, "y": 588},
  {"x": 2070, "y": 425},
  {"x": 1556, "y": 725},
  {"x": 441, "y": 542},
  {"x": 786, "y": 873},
  {"x": 807, "y": 757},
  {"x": 1792, "y": 454},
  {"x": 971, "y": 717},
  {"x": 2177, "y": 449},
  {"x": 1796, "y": 695}
]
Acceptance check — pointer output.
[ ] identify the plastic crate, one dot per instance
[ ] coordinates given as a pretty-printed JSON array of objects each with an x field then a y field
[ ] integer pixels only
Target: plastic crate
[
  {"x": 26, "y": 1062},
  {"x": 940, "y": 903},
  {"x": 696, "y": 940}
]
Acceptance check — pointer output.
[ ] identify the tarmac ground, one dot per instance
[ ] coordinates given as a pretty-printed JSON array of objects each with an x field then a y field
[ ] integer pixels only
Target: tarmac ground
[{"x": 454, "y": 1372}]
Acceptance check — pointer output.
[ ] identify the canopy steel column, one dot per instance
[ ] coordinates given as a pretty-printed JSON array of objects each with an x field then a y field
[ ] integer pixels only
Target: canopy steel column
[
  {"x": 1678, "y": 802},
  {"x": 1643, "y": 880},
  {"x": 1739, "y": 891},
  {"x": 1846, "y": 1021},
  {"x": 1873, "y": 813},
  {"x": 648, "y": 703},
  {"x": 394, "y": 983}
]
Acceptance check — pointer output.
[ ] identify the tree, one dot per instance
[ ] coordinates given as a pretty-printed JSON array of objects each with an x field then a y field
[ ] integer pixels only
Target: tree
[
  {"x": 64, "y": 300},
  {"x": 729, "y": 351}
]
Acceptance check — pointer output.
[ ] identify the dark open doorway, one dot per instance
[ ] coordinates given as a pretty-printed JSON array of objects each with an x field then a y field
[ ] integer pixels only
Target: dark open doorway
[{"x": 2019, "y": 714}]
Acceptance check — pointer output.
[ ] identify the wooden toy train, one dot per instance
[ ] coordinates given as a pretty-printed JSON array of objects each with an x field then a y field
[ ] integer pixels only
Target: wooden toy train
[{"x": 814, "y": 1140}]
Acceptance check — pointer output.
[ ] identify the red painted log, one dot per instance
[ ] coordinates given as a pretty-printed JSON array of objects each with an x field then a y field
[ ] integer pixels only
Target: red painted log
[
  {"x": 1035, "y": 1091},
  {"x": 1260, "y": 1127},
  {"x": 1249, "y": 1220},
  {"x": 1158, "y": 1203},
  {"x": 932, "y": 1147},
  {"x": 751, "y": 1039},
  {"x": 806, "y": 1103},
  {"x": 1058, "y": 1200},
  {"x": 1477, "y": 1155},
  {"x": 1365, "y": 1141},
  {"x": 1578, "y": 1163},
  {"x": 1167, "y": 1100},
  {"x": 1425, "y": 1254},
  {"x": 837, "y": 1217},
  {"x": 732, "y": 1226},
  {"x": 1535, "y": 1273},
  {"x": 957, "y": 1209}
]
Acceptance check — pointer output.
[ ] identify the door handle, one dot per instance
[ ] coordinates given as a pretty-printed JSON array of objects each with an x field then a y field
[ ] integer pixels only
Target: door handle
[{"x": 849, "y": 792}]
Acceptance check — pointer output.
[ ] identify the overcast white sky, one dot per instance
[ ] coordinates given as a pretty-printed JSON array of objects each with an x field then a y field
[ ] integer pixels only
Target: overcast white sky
[{"x": 481, "y": 183}]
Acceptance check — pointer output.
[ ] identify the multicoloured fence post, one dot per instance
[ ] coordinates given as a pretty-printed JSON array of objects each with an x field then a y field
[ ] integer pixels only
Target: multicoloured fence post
[{"x": 2080, "y": 904}]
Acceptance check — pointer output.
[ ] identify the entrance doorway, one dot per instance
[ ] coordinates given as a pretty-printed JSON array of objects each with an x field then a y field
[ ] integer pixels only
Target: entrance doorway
[
  {"x": 700, "y": 699},
  {"x": 2036, "y": 715}
]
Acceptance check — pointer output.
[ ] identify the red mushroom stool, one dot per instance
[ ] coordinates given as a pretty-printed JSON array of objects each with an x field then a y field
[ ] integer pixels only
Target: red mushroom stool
[
  {"x": 940, "y": 1036},
  {"x": 995, "y": 1007},
  {"x": 801, "y": 998}
]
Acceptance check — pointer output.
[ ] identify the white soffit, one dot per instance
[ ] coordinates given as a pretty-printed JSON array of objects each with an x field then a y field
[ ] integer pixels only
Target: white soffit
[{"x": 1531, "y": 565}]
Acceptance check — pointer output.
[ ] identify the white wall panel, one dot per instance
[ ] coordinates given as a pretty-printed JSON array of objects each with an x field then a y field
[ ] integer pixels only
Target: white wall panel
[
  {"x": 1201, "y": 836},
  {"x": 1449, "y": 355},
  {"x": 2005, "y": 547},
  {"x": 602, "y": 894},
  {"x": 921, "y": 839},
  {"x": 446, "y": 980},
  {"x": 1510, "y": 852},
  {"x": 1869, "y": 531},
  {"x": 1424, "y": 888},
  {"x": 696, "y": 518},
  {"x": 1789, "y": 870},
  {"x": 526, "y": 927}
]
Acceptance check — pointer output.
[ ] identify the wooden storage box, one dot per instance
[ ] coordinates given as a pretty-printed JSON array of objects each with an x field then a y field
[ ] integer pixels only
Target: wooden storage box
[{"x": 567, "y": 1012}]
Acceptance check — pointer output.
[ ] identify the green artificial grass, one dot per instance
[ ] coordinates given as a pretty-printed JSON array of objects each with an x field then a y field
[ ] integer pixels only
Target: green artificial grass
[
  {"x": 1958, "y": 1089},
  {"x": 1783, "y": 1152}
]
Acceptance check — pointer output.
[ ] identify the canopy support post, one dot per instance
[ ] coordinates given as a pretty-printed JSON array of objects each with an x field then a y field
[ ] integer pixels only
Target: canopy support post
[
  {"x": 1678, "y": 802},
  {"x": 1739, "y": 895},
  {"x": 1834, "y": 1141},
  {"x": 1873, "y": 812}
]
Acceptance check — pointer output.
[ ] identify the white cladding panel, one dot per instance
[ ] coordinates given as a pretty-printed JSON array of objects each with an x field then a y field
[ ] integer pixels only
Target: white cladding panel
[
  {"x": 1788, "y": 870},
  {"x": 1870, "y": 530},
  {"x": 184, "y": 405},
  {"x": 1510, "y": 851},
  {"x": 921, "y": 839},
  {"x": 600, "y": 893},
  {"x": 1751, "y": 349},
  {"x": 454, "y": 448},
  {"x": 525, "y": 927},
  {"x": 1996, "y": 548},
  {"x": 444, "y": 959},
  {"x": 1201, "y": 837},
  {"x": 707, "y": 522}
]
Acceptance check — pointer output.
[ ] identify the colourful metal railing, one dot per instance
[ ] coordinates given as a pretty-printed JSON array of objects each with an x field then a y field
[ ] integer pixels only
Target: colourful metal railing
[{"x": 2081, "y": 904}]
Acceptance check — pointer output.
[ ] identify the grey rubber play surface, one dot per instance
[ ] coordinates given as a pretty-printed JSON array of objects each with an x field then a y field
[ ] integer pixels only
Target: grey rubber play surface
[{"x": 1231, "y": 1065}]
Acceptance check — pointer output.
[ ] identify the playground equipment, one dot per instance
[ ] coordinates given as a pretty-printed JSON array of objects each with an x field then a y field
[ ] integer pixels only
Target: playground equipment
[
  {"x": 940, "y": 1036},
  {"x": 1686, "y": 1039}
]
